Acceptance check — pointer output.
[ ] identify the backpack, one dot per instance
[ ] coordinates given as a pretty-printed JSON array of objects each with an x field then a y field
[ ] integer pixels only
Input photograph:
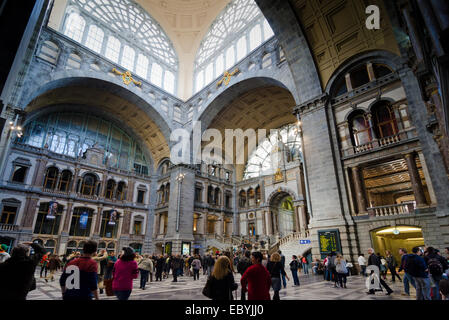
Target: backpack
[{"x": 435, "y": 267}]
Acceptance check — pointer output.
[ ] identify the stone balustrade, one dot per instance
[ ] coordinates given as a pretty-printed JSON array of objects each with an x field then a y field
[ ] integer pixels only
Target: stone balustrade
[
  {"x": 391, "y": 210},
  {"x": 8, "y": 227}
]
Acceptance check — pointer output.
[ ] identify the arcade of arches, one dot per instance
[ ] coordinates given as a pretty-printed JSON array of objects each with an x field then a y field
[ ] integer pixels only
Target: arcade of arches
[{"x": 358, "y": 141}]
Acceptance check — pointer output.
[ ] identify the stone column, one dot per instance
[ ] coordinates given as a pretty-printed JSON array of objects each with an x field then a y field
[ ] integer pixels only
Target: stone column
[
  {"x": 98, "y": 220},
  {"x": 39, "y": 173},
  {"x": 126, "y": 222},
  {"x": 348, "y": 82},
  {"x": 415, "y": 180},
  {"x": 130, "y": 190},
  {"x": 360, "y": 194},
  {"x": 205, "y": 225},
  {"x": 29, "y": 212},
  {"x": 297, "y": 219},
  {"x": 68, "y": 217},
  {"x": 303, "y": 215},
  {"x": 75, "y": 180},
  {"x": 156, "y": 227}
]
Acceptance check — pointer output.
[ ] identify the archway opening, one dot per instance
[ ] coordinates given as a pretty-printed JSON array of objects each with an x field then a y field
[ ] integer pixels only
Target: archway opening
[
  {"x": 394, "y": 237},
  {"x": 283, "y": 214}
]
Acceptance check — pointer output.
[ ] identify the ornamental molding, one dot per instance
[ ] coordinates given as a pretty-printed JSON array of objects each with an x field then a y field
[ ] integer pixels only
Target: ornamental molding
[{"x": 312, "y": 105}]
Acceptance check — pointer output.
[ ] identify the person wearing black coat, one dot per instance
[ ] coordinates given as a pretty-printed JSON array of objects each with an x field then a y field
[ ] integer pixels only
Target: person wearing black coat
[
  {"x": 221, "y": 283},
  {"x": 17, "y": 273},
  {"x": 276, "y": 269},
  {"x": 375, "y": 260},
  {"x": 160, "y": 264}
]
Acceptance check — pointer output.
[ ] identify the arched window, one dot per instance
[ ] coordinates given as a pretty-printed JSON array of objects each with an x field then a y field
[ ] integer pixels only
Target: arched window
[
  {"x": 359, "y": 76},
  {"x": 50, "y": 245},
  {"x": 128, "y": 58},
  {"x": 75, "y": 27},
  {"x": 255, "y": 37},
  {"x": 217, "y": 196},
  {"x": 242, "y": 199},
  {"x": 385, "y": 124},
  {"x": 167, "y": 192},
  {"x": 219, "y": 65},
  {"x": 230, "y": 57},
  {"x": 129, "y": 22},
  {"x": 65, "y": 180},
  {"x": 267, "y": 31},
  {"x": 260, "y": 161},
  {"x": 162, "y": 194},
  {"x": 258, "y": 195},
  {"x": 200, "y": 80},
  {"x": 251, "y": 197},
  {"x": 169, "y": 82},
  {"x": 88, "y": 185},
  {"x": 109, "y": 224},
  {"x": 71, "y": 247},
  {"x": 43, "y": 224},
  {"x": 81, "y": 222},
  {"x": 142, "y": 66},
  {"x": 110, "y": 188},
  {"x": 229, "y": 32},
  {"x": 241, "y": 48},
  {"x": 83, "y": 131},
  {"x": 51, "y": 176},
  {"x": 113, "y": 49},
  {"x": 361, "y": 130},
  {"x": 156, "y": 74},
  {"x": 209, "y": 72},
  {"x": 94, "y": 38},
  {"x": 121, "y": 191}
]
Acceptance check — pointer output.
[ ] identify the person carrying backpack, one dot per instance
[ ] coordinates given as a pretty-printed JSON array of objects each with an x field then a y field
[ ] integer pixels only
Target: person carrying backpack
[
  {"x": 294, "y": 265},
  {"x": 436, "y": 264},
  {"x": 416, "y": 266}
]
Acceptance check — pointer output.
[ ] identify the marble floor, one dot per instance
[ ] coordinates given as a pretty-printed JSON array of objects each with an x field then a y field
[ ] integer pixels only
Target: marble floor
[{"x": 312, "y": 287}]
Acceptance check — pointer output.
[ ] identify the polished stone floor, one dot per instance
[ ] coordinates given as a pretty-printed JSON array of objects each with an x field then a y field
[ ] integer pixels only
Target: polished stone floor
[{"x": 312, "y": 287}]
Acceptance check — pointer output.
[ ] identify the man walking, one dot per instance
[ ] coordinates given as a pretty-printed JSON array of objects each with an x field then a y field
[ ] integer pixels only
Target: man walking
[
  {"x": 417, "y": 267},
  {"x": 375, "y": 261},
  {"x": 284, "y": 282},
  {"x": 437, "y": 264},
  {"x": 407, "y": 277}
]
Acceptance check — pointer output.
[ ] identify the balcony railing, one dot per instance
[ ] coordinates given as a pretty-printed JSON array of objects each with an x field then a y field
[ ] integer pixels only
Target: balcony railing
[
  {"x": 377, "y": 144},
  {"x": 8, "y": 227},
  {"x": 391, "y": 210}
]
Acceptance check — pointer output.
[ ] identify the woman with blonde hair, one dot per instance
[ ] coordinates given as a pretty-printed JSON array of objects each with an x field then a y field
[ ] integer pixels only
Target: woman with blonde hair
[
  {"x": 221, "y": 283},
  {"x": 342, "y": 270},
  {"x": 275, "y": 268}
]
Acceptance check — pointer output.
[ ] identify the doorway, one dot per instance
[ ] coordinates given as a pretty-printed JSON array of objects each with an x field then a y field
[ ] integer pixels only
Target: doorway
[{"x": 393, "y": 238}]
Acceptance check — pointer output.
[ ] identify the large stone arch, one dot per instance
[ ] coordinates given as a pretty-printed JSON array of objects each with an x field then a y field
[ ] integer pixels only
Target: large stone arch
[
  {"x": 220, "y": 99},
  {"x": 281, "y": 190},
  {"x": 287, "y": 29},
  {"x": 129, "y": 108}
]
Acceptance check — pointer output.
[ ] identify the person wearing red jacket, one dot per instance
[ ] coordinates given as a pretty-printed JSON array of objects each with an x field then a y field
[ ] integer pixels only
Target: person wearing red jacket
[{"x": 257, "y": 278}]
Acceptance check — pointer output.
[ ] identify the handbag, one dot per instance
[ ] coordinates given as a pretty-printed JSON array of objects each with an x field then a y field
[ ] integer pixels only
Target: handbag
[{"x": 207, "y": 290}]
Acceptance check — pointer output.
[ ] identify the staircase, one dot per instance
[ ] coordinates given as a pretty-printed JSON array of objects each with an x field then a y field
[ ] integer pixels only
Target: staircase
[
  {"x": 289, "y": 245},
  {"x": 220, "y": 242}
]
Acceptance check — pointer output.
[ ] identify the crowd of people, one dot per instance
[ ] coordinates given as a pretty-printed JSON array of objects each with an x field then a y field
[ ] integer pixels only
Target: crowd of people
[{"x": 101, "y": 272}]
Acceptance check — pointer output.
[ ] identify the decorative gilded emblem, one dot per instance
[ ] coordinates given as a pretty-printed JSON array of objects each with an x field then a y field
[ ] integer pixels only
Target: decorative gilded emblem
[
  {"x": 278, "y": 176},
  {"x": 127, "y": 77},
  {"x": 227, "y": 77}
]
